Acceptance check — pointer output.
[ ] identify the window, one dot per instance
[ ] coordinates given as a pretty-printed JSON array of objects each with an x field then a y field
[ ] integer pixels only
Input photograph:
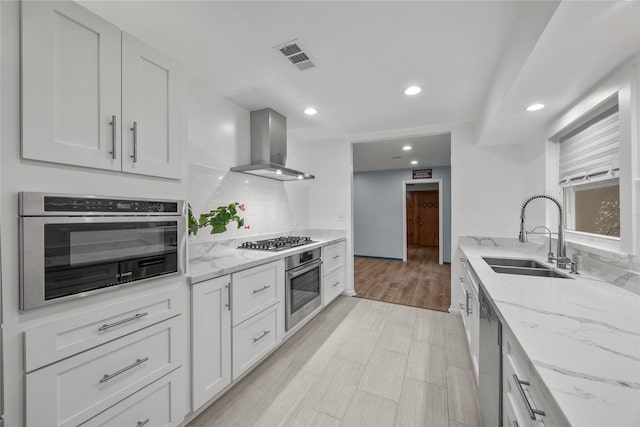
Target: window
[{"x": 589, "y": 165}]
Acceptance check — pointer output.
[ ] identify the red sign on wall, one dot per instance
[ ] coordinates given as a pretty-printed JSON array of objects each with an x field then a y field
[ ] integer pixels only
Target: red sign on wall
[{"x": 421, "y": 173}]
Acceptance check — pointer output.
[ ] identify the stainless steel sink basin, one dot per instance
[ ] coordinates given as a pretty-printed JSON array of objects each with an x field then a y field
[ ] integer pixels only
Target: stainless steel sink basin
[
  {"x": 523, "y": 267},
  {"x": 515, "y": 262}
]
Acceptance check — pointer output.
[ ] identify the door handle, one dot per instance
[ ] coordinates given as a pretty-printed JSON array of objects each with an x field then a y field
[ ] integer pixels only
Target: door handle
[{"x": 134, "y": 129}]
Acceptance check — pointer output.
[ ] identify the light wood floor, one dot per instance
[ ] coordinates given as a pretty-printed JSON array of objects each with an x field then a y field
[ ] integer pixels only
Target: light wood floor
[
  {"x": 419, "y": 282},
  {"x": 359, "y": 363}
]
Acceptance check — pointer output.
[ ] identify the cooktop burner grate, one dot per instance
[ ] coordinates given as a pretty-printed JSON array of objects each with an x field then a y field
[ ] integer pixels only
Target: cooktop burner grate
[{"x": 277, "y": 244}]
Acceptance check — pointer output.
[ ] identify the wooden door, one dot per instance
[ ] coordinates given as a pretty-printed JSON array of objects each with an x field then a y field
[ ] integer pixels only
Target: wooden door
[
  {"x": 411, "y": 219},
  {"x": 211, "y": 339},
  {"x": 70, "y": 85},
  {"x": 426, "y": 207},
  {"x": 153, "y": 140}
]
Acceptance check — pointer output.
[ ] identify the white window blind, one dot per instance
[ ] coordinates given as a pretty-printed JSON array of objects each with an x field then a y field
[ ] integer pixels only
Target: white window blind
[{"x": 591, "y": 149}]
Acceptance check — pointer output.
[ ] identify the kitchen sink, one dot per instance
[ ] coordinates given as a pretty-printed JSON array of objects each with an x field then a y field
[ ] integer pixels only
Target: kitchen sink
[
  {"x": 515, "y": 262},
  {"x": 523, "y": 267}
]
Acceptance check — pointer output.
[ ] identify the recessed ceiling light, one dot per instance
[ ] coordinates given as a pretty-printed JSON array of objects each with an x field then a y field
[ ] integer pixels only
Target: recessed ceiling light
[
  {"x": 406, "y": 148},
  {"x": 412, "y": 90},
  {"x": 414, "y": 162},
  {"x": 535, "y": 107},
  {"x": 310, "y": 111}
]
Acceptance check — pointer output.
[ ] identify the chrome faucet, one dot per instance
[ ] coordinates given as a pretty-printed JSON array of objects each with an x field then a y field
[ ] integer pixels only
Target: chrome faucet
[{"x": 561, "y": 259}]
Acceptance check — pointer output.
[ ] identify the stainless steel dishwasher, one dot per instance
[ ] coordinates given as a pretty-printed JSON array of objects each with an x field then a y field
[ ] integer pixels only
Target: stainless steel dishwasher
[{"x": 490, "y": 364}]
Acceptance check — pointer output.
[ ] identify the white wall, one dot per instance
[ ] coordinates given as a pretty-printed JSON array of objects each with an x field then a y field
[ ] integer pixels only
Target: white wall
[{"x": 219, "y": 138}]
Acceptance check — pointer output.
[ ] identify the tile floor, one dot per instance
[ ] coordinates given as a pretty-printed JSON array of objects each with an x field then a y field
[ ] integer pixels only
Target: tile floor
[{"x": 359, "y": 363}]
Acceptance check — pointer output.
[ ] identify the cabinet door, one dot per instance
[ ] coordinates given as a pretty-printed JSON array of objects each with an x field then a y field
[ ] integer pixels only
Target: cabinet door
[
  {"x": 211, "y": 330},
  {"x": 70, "y": 86},
  {"x": 152, "y": 138},
  {"x": 333, "y": 284}
]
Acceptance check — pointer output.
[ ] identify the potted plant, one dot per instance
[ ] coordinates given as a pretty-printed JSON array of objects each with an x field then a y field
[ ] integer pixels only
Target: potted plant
[{"x": 218, "y": 219}]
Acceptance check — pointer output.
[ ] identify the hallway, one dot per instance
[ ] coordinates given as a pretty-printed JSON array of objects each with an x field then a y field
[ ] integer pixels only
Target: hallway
[{"x": 419, "y": 282}]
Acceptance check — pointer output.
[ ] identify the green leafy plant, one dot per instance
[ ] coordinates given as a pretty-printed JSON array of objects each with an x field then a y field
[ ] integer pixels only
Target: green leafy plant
[{"x": 218, "y": 219}]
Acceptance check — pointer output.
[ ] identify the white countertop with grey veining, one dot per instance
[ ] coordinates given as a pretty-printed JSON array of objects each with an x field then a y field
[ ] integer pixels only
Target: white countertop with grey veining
[
  {"x": 582, "y": 336},
  {"x": 214, "y": 259}
]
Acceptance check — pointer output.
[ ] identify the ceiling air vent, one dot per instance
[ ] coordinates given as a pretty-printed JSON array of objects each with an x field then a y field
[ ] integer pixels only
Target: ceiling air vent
[{"x": 296, "y": 54}]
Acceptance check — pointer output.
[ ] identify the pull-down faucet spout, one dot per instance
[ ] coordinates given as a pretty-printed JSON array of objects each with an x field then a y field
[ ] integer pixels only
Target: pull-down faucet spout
[{"x": 562, "y": 253}]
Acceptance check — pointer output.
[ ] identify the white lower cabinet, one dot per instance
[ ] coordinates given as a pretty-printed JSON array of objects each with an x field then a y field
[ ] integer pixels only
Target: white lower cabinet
[
  {"x": 470, "y": 309},
  {"x": 162, "y": 403},
  {"x": 211, "y": 338},
  {"x": 72, "y": 390},
  {"x": 255, "y": 338},
  {"x": 333, "y": 283}
]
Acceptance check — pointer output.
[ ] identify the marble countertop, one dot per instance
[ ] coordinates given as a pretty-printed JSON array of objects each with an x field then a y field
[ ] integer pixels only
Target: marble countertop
[
  {"x": 215, "y": 259},
  {"x": 582, "y": 336}
]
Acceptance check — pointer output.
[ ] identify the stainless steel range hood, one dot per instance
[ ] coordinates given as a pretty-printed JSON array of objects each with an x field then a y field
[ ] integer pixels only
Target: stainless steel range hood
[{"x": 269, "y": 148}]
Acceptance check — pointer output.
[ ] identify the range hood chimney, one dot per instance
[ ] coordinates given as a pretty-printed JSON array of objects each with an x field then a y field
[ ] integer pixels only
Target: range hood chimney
[{"x": 269, "y": 148}]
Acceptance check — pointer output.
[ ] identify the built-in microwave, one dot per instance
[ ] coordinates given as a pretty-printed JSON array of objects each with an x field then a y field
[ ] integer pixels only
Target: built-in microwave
[{"x": 74, "y": 246}]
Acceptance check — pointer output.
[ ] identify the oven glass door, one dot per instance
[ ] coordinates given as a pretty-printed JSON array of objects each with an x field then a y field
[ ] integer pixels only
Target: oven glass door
[
  {"x": 82, "y": 256},
  {"x": 304, "y": 287}
]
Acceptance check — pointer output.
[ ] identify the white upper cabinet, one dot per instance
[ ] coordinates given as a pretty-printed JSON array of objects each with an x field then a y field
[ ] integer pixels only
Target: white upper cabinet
[
  {"x": 70, "y": 86},
  {"x": 95, "y": 96},
  {"x": 151, "y": 112}
]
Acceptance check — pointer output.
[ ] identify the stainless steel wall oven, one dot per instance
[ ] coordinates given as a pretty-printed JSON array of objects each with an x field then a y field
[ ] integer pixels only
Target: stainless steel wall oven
[
  {"x": 303, "y": 285},
  {"x": 73, "y": 246}
]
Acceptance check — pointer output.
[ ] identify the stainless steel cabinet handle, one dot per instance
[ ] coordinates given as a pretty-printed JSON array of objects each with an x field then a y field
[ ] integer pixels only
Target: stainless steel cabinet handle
[
  {"x": 532, "y": 411},
  {"x": 336, "y": 284},
  {"x": 120, "y": 322},
  {"x": 515, "y": 424},
  {"x": 264, "y": 288},
  {"x": 114, "y": 128},
  {"x": 469, "y": 312},
  {"x": 264, "y": 334},
  {"x": 135, "y": 142},
  {"x": 142, "y": 423},
  {"x": 107, "y": 377},
  {"x": 228, "y": 304},
  {"x": 462, "y": 279},
  {"x": 336, "y": 256},
  {"x": 463, "y": 260}
]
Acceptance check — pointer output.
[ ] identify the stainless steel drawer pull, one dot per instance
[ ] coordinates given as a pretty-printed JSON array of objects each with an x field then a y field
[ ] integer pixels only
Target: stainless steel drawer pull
[
  {"x": 228, "y": 304},
  {"x": 532, "y": 411},
  {"x": 107, "y": 377},
  {"x": 264, "y": 288},
  {"x": 462, "y": 279},
  {"x": 336, "y": 256},
  {"x": 120, "y": 322},
  {"x": 113, "y": 136},
  {"x": 264, "y": 334},
  {"x": 336, "y": 284},
  {"x": 135, "y": 142},
  {"x": 143, "y": 423}
]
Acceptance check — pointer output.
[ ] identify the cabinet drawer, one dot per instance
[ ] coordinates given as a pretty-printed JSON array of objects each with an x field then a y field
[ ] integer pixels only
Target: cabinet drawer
[
  {"x": 161, "y": 403},
  {"x": 333, "y": 256},
  {"x": 60, "y": 339},
  {"x": 515, "y": 361},
  {"x": 73, "y": 390},
  {"x": 254, "y": 339},
  {"x": 333, "y": 284},
  {"x": 256, "y": 289}
]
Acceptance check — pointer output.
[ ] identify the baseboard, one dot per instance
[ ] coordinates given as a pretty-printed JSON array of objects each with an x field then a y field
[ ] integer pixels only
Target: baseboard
[
  {"x": 378, "y": 257},
  {"x": 349, "y": 293},
  {"x": 456, "y": 311}
]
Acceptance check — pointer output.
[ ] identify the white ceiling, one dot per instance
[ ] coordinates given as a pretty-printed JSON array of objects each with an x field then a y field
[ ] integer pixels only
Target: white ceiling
[
  {"x": 366, "y": 52},
  {"x": 480, "y": 61},
  {"x": 429, "y": 151}
]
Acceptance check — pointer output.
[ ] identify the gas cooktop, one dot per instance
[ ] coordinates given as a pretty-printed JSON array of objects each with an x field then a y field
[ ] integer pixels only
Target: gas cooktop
[{"x": 277, "y": 244}]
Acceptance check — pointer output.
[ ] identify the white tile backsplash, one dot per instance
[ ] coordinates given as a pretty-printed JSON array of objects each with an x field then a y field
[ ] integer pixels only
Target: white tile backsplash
[{"x": 270, "y": 208}]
